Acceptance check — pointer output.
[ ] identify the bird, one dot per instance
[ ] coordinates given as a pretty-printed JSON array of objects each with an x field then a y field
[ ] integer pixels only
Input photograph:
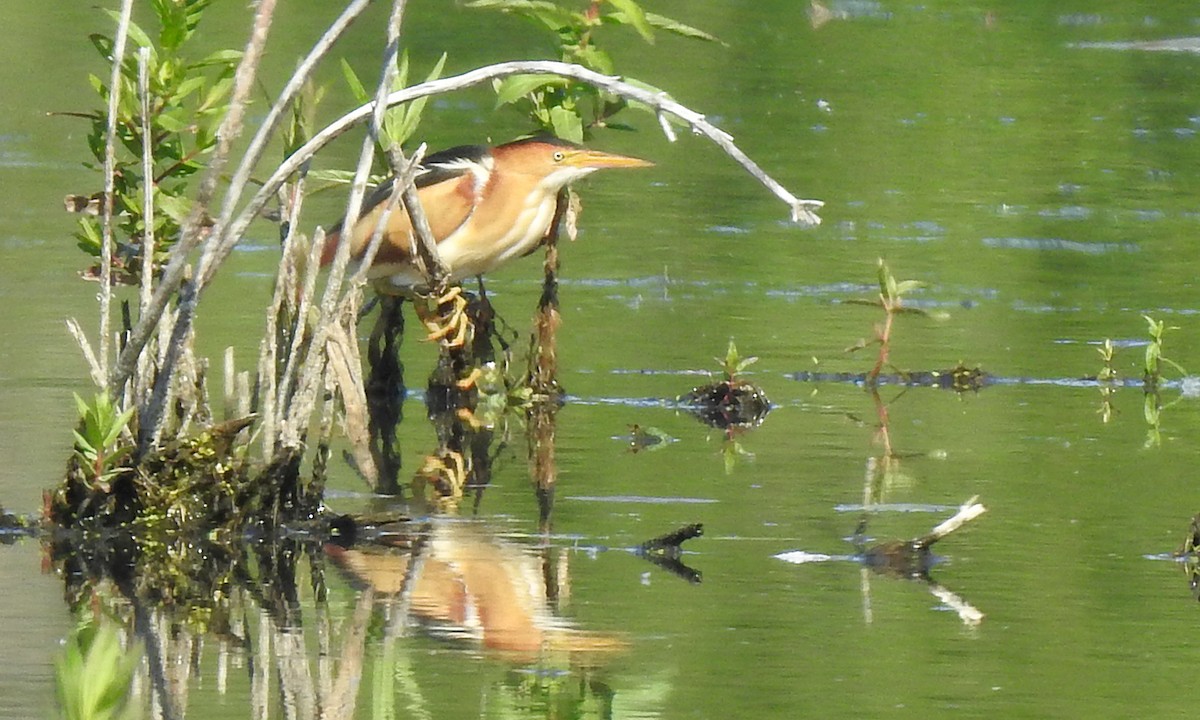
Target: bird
[{"x": 486, "y": 206}]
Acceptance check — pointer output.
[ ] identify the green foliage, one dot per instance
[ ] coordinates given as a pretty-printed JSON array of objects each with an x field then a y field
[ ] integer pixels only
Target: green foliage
[
  {"x": 734, "y": 364},
  {"x": 572, "y": 110},
  {"x": 96, "y": 440},
  {"x": 187, "y": 100},
  {"x": 93, "y": 674},
  {"x": 400, "y": 121}
]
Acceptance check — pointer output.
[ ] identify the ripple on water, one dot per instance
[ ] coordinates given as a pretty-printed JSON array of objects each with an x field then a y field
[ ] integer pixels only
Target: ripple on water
[{"x": 1088, "y": 248}]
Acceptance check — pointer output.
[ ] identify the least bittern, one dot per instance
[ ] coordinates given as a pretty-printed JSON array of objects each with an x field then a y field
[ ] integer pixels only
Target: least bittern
[{"x": 485, "y": 206}]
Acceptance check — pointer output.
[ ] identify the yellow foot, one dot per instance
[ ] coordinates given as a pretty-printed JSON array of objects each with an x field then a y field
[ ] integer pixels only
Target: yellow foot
[{"x": 453, "y": 328}]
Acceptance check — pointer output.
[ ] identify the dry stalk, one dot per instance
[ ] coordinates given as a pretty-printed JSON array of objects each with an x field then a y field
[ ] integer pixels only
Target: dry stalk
[
  {"x": 94, "y": 367},
  {"x": 333, "y": 302},
  {"x": 148, "y": 179},
  {"x": 110, "y": 161},
  {"x": 967, "y": 512},
  {"x": 287, "y": 297},
  {"x": 346, "y": 366}
]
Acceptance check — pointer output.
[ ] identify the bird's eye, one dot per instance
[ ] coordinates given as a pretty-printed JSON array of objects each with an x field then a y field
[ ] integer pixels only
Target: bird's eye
[{"x": 558, "y": 156}]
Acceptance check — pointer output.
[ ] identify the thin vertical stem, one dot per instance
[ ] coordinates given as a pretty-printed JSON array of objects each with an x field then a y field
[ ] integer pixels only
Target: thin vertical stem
[
  {"x": 110, "y": 160},
  {"x": 148, "y": 180}
]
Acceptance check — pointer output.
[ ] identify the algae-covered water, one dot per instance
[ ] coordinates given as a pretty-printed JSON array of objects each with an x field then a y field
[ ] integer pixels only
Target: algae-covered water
[{"x": 1034, "y": 164}]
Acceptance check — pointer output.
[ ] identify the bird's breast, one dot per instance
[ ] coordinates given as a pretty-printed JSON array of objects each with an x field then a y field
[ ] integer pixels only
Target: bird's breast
[{"x": 487, "y": 241}]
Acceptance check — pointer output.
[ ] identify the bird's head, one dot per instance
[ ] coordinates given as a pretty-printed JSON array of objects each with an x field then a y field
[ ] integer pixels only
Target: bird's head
[{"x": 557, "y": 163}]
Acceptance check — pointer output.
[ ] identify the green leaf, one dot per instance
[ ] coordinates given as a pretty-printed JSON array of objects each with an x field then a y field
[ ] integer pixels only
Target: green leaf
[
  {"x": 215, "y": 94},
  {"x": 906, "y": 286},
  {"x": 596, "y": 59},
  {"x": 136, "y": 34},
  {"x": 674, "y": 26},
  {"x": 118, "y": 426},
  {"x": 356, "y": 86},
  {"x": 171, "y": 122},
  {"x": 636, "y": 17},
  {"x": 402, "y": 122},
  {"x": 516, "y": 87},
  {"x": 220, "y": 57},
  {"x": 566, "y": 124},
  {"x": 547, "y": 13},
  {"x": 81, "y": 406},
  {"x": 885, "y": 279},
  {"x": 185, "y": 88},
  {"x": 103, "y": 45}
]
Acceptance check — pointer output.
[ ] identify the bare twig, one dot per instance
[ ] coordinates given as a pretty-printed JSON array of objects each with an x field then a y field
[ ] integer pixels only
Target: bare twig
[
  {"x": 969, "y": 510},
  {"x": 802, "y": 211},
  {"x": 94, "y": 367},
  {"x": 426, "y": 254}
]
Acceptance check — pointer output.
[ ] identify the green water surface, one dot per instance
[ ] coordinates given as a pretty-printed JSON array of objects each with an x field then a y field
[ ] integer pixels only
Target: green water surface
[{"x": 1045, "y": 192}]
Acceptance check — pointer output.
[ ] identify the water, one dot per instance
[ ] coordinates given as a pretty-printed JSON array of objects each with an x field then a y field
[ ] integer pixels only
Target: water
[{"x": 1040, "y": 183}]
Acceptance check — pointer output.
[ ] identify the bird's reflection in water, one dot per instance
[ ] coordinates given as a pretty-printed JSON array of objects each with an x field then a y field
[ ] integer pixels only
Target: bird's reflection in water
[{"x": 458, "y": 579}]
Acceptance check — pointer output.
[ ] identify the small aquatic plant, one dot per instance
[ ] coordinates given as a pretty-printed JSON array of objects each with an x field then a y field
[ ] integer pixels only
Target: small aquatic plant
[
  {"x": 97, "y": 440},
  {"x": 734, "y": 364},
  {"x": 891, "y": 298},
  {"x": 170, "y": 102}
]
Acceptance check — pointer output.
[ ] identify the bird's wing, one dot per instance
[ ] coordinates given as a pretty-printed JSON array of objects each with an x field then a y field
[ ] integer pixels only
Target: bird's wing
[{"x": 449, "y": 184}]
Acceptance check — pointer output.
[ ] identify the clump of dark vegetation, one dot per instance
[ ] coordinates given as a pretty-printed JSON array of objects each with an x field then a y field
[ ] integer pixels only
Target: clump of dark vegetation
[{"x": 731, "y": 401}]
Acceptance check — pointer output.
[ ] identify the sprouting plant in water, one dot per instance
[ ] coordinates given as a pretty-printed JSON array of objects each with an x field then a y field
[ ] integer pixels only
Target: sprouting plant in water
[
  {"x": 1108, "y": 353},
  {"x": 733, "y": 364},
  {"x": 564, "y": 107},
  {"x": 97, "y": 439},
  {"x": 93, "y": 674},
  {"x": 186, "y": 99},
  {"x": 1107, "y": 378},
  {"x": 891, "y": 298},
  {"x": 1152, "y": 369}
]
